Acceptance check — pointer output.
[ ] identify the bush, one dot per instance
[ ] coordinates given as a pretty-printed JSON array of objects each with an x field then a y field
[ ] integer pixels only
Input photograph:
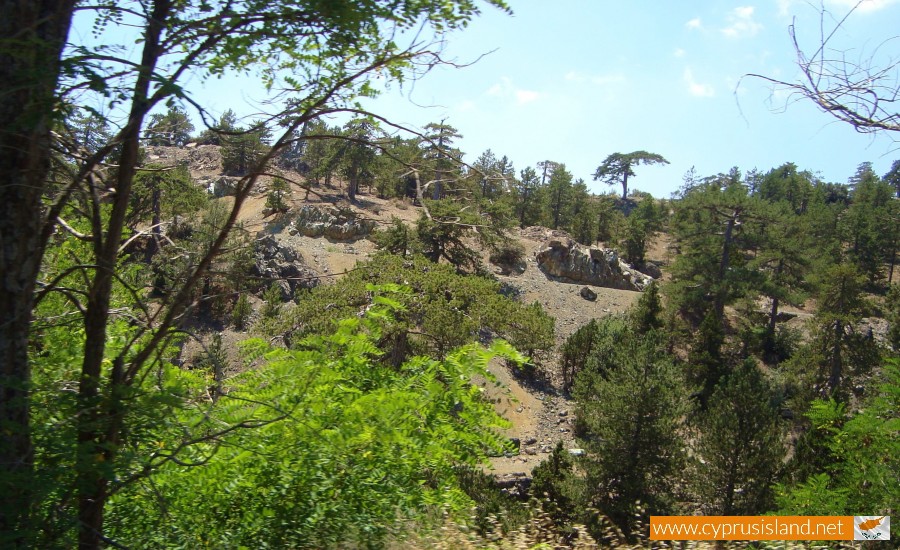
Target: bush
[
  {"x": 342, "y": 448},
  {"x": 508, "y": 254},
  {"x": 241, "y": 312}
]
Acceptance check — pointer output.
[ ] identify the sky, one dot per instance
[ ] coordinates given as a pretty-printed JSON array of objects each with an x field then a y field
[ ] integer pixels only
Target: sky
[{"x": 575, "y": 80}]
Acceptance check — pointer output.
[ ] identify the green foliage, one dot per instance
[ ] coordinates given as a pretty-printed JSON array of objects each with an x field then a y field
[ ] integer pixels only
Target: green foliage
[
  {"x": 509, "y": 253},
  {"x": 558, "y": 488},
  {"x": 707, "y": 363},
  {"x": 444, "y": 309},
  {"x": 172, "y": 129},
  {"x": 715, "y": 225},
  {"x": 444, "y": 235},
  {"x": 609, "y": 217},
  {"x": 576, "y": 350},
  {"x": 640, "y": 225},
  {"x": 398, "y": 239},
  {"x": 559, "y": 192},
  {"x": 529, "y": 206},
  {"x": 279, "y": 193},
  {"x": 242, "y": 151},
  {"x": 327, "y": 52},
  {"x": 841, "y": 307},
  {"x": 531, "y": 330},
  {"x": 492, "y": 508},
  {"x": 214, "y": 136},
  {"x": 647, "y": 313},
  {"x": 241, "y": 312},
  {"x": 342, "y": 450},
  {"x": 88, "y": 130},
  {"x": 356, "y": 155},
  {"x": 272, "y": 301},
  {"x": 739, "y": 451},
  {"x": 892, "y": 315},
  {"x": 163, "y": 193},
  {"x": 601, "y": 337},
  {"x": 631, "y": 413},
  {"x": 618, "y": 167},
  {"x": 869, "y": 225},
  {"x": 865, "y": 452}
]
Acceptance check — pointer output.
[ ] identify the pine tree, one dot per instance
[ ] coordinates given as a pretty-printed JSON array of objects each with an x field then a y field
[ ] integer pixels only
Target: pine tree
[
  {"x": 279, "y": 192},
  {"x": 559, "y": 194},
  {"x": 241, "y": 152},
  {"x": 716, "y": 226},
  {"x": 529, "y": 203},
  {"x": 841, "y": 307},
  {"x": 171, "y": 129},
  {"x": 631, "y": 417},
  {"x": 647, "y": 313},
  {"x": 739, "y": 450}
]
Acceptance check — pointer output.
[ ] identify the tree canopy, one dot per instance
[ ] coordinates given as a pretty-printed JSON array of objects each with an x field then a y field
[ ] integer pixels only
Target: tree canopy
[{"x": 618, "y": 167}]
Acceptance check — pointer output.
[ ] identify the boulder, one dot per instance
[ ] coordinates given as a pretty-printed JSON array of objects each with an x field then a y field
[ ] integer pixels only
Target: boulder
[
  {"x": 223, "y": 186},
  {"x": 588, "y": 294},
  {"x": 278, "y": 263},
  {"x": 339, "y": 224},
  {"x": 569, "y": 261},
  {"x": 650, "y": 269}
]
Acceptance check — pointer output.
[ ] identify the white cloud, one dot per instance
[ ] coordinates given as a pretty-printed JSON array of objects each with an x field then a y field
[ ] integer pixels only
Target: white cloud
[
  {"x": 526, "y": 96},
  {"x": 505, "y": 89},
  {"x": 466, "y": 106},
  {"x": 679, "y": 53},
  {"x": 741, "y": 23},
  {"x": 784, "y": 7},
  {"x": 694, "y": 23},
  {"x": 695, "y": 88},
  {"x": 866, "y": 6}
]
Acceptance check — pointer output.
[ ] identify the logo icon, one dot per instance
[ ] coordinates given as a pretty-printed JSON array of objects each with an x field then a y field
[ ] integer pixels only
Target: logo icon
[{"x": 871, "y": 527}]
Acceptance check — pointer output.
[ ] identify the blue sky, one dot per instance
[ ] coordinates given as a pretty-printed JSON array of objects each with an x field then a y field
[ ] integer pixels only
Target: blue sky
[{"x": 575, "y": 80}]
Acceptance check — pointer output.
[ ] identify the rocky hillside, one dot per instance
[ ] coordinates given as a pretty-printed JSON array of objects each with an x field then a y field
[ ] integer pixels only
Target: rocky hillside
[{"x": 322, "y": 235}]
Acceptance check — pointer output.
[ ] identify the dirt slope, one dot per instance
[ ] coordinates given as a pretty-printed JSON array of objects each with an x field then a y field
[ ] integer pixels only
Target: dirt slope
[{"x": 539, "y": 414}]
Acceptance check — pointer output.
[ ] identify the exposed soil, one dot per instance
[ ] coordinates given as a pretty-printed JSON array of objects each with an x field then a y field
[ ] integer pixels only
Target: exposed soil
[{"x": 540, "y": 415}]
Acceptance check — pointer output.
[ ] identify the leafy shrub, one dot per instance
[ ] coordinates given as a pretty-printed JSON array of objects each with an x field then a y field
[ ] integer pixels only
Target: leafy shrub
[{"x": 319, "y": 447}]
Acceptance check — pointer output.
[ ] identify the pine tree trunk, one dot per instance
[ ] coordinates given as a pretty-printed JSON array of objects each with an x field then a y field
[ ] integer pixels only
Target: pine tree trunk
[{"x": 32, "y": 35}]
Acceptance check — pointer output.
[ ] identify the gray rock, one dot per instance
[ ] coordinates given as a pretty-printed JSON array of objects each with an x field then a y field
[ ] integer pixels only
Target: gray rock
[
  {"x": 650, "y": 269},
  {"x": 222, "y": 186},
  {"x": 588, "y": 294},
  {"x": 277, "y": 263},
  {"x": 339, "y": 224},
  {"x": 571, "y": 262}
]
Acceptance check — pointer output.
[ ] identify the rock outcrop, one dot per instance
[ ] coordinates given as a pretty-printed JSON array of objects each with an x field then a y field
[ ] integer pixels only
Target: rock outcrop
[
  {"x": 219, "y": 186},
  {"x": 339, "y": 224},
  {"x": 569, "y": 261},
  {"x": 280, "y": 264}
]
